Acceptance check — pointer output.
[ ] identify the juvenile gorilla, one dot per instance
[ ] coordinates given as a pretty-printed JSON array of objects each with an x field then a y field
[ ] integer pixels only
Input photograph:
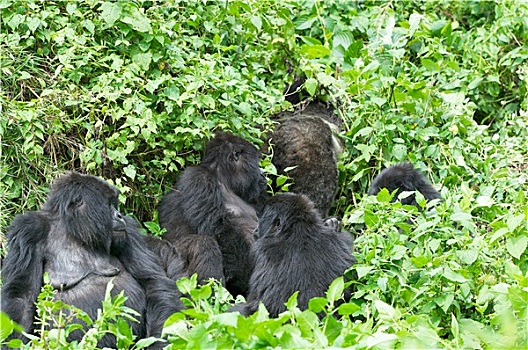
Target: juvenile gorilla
[
  {"x": 305, "y": 139},
  {"x": 211, "y": 213},
  {"x": 403, "y": 177},
  {"x": 82, "y": 241},
  {"x": 296, "y": 251}
]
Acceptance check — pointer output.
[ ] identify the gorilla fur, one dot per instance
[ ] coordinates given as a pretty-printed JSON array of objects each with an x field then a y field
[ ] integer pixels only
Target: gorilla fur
[
  {"x": 305, "y": 139},
  {"x": 82, "y": 241},
  {"x": 403, "y": 177},
  {"x": 211, "y": 213},
  {"x": 296, "y": 251}
]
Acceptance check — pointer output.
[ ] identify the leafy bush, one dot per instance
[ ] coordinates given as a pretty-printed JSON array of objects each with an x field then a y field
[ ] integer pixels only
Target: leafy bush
[{"x": 131, "y": 90}]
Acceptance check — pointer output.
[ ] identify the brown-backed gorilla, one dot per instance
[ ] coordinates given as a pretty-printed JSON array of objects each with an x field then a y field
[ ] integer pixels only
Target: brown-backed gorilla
[
  {"x": 83, "y": 242},
  {"x": 305, "y": 139},
  {"x": 296, "y": 250},
  {"x": 404, "y": 177},
  {"x": 211, "y": 213}
]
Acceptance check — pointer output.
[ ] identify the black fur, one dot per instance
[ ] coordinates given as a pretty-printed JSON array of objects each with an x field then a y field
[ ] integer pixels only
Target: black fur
[
  {"x": 210, "y": 215},
  {"x": 305, "y": 139},
  {"x": 82, "y": 241},
  {"x": 296, "y": 251},
  {"x": 403, "y": 177}
]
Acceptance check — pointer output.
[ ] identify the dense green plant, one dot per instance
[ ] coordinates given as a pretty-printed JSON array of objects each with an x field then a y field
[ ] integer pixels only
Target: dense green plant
[{"x": 131, "y": 91}]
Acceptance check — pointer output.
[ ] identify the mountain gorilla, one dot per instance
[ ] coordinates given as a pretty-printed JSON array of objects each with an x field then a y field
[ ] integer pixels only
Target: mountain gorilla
[
  {"x": 296, "y": 251},
  {"x": 403, "y": 177},
  {"x": 305, "y": 139},
  {"x": 83, "y": 242},
  {"x": 211, "y": 213}
]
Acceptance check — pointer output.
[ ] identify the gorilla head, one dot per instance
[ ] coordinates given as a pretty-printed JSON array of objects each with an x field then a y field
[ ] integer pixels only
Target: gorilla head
[
  {"x": 403, "y": 177},
  {"x": 87, "y": 206},
  {"x": 236, "y": 163}
]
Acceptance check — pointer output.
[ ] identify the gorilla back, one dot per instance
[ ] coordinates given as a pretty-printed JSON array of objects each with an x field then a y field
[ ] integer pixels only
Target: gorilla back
[
  {"x": 305, "y": 139},
  {"x": 296, "y": 251},
  {"x": 82, "y": 241}
]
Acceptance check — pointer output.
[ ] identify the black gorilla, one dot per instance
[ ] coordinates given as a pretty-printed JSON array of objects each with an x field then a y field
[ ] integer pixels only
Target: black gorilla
[
  {"x": 305, "y": 139},
  {"x": 403, "y": 177},
  {"x": 296, "y": 251},
  {"x": 210, "y": 215},
  {"x": 82, "y": 241}
]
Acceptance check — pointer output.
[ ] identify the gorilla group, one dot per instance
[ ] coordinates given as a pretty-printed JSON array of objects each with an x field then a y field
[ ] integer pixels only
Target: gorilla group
[
  {"x": 219, "y": 224},
  {"x": 82, "y": 242},
  {"x": 211, "y": 213}
]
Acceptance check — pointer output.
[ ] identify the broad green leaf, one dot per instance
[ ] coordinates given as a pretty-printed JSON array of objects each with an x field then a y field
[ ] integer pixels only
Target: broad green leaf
[
  {"x": 467, "y": 256},
  {"x": 256, "y": 21},
  {"x": 335, "y": 291},
  {"x": 142, "y": 60},
  {"x": 516, "y": 245},
  {"x": 311, "y": 86},
  {"x": 314, "y": 51},
  {"x": 348, "y": 309},
  {"x": 453, "y": 276},
  {"x": 110, "y": 12},
  {"x": 317, "y": 304},
  {"x": 414, "y": 23},
  {"x": 363, "y": 270},
  {"x": 7, "y": 326},
  {"x": 514, "y": 221},
  {"x": 344, "y": 39},
  {"x": 430, "y": 65}
]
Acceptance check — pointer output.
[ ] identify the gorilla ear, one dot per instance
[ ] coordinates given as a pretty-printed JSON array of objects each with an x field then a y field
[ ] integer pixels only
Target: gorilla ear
[
  {"x": 277, "y": 226},
  {"x": 75, "y": 203}
]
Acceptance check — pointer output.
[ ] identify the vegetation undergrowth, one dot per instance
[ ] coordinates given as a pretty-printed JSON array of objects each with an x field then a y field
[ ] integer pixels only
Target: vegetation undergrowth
[{"x": 131, "y": 90}]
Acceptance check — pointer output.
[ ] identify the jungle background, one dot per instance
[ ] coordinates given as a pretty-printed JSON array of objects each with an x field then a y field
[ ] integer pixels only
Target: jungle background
[{"x": 132, "y": 90}]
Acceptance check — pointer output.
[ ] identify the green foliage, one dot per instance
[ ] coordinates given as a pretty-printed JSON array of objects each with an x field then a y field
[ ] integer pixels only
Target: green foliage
[
  {"x": 131, "y": 91},
  {"x": 56, "y": 320}
]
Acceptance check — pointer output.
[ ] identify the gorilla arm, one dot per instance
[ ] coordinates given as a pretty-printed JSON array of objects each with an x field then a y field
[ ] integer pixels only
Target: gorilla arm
[
  {"x": 23, "y": 267},
  {"x": 163, "y": 298}
]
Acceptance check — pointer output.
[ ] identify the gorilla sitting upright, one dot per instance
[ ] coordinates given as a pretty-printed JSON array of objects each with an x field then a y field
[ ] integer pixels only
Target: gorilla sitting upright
[
  {"x": 211, "y": 213},
  {"x": 83, "y": 242},
  {"x": 296, "y": 250}
]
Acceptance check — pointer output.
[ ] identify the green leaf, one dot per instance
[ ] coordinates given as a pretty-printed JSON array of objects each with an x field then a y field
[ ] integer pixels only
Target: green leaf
[
  {"x": 142, "y": 60},
  {"x": 348, "y": 309},
  {"x": 7, "y": 326},
  {"x": 344, "y": 39},
  {"x": 467, "y": 256},
  {"x": 516, "y": 245},
  {"x": 138, "y": 21},
  {"x": 453, "y": 276},
  {"x": 311, "y": 86},
  {"x": 111, "y": 11},
  {"x": 256, "y": 21},
  {"x": 386, "y": 311},
  {"x": 244, "y": 108},
  {"x": 430, "y": 65},
  {"x": 317, "y": 304},
  {"x": 335, "y": 291},
  {"x": 314, "y": 51},
  {"x": 514, "y": 221},
  {"x": 384, "y": 196}
]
